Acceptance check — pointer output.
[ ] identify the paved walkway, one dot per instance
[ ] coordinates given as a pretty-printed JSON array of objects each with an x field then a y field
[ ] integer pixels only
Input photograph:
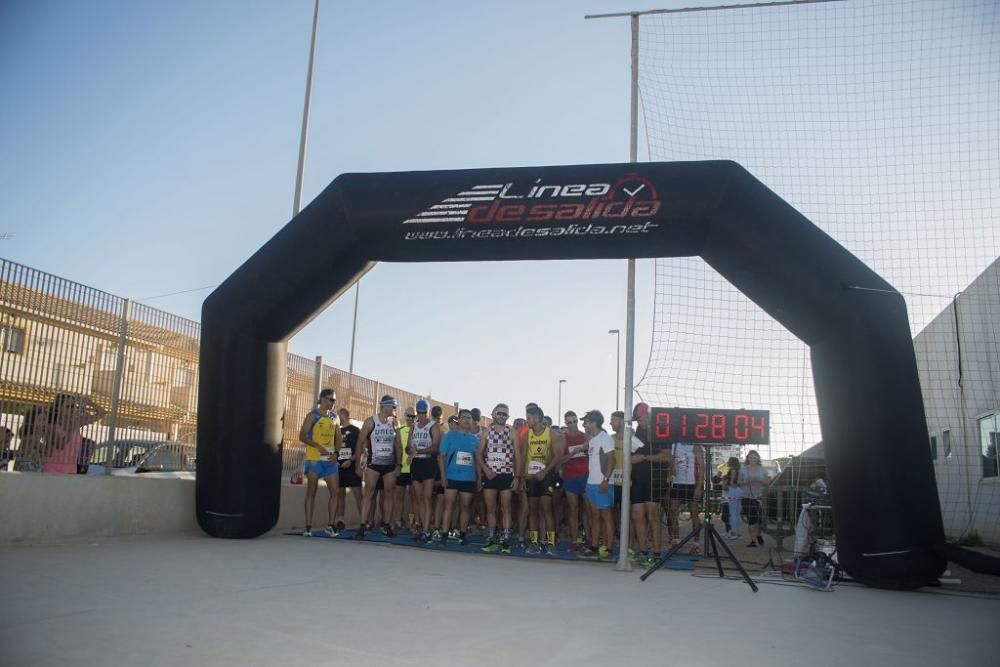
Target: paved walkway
[{"x": 296, "y": 601}]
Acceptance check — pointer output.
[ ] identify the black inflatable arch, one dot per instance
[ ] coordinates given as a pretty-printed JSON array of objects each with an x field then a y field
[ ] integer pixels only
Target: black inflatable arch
[{"x": 887, "y": 514}]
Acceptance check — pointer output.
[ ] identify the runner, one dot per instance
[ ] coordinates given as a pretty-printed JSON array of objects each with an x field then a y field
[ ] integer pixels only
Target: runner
[
  {"x": 600, "y": 497},
  {"x": 403, "y": 481},
  {"x": 499, "y": 457},
  {"x": 618, "y": 477},
  {"x": 541, "y": 446},
  {"x": 320, "y": 433},
  {"x": 574, "y": 477},
  {"x": 459, "y": 473},
  {"x": 645, "y": 505},
  {"x": 350, "y": 477},
  {"x": 686, "y": 487},
  {"x": 379, "y": 438},
  {"x": 424, "y": 442}
]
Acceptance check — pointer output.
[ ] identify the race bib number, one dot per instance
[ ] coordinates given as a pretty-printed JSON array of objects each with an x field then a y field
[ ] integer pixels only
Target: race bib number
[
  {"x": 381, "y": 451},
  {"x": 577, "y": 451},
  {"x": 617, "y": 477},
  {"x": 344, "y": 453},
  {"x": 422, "y": 444},
  {"x": 535, "y": 467},
  {"x": 496, "y": 459},
  {"x": 463, "y": 458}
]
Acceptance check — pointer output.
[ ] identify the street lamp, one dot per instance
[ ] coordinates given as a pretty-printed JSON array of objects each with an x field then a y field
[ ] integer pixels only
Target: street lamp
[
  {"x": 559, "y": 413},
  {"x": 618, "y": 365}
]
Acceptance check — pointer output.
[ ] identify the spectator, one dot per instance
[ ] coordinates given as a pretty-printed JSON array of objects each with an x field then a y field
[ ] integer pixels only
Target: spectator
[
  {"x": 753, "y": 480},
  {"x": 50, "y": 436}
]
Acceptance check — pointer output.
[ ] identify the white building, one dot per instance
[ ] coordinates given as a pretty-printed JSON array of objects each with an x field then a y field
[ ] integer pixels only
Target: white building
[{"x": 958, "y": 358}]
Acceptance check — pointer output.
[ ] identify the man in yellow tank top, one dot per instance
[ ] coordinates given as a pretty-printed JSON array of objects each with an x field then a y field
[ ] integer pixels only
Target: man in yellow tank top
[
  {"x": 320, "y": 433},
  {"x": 539, "y": 446}
]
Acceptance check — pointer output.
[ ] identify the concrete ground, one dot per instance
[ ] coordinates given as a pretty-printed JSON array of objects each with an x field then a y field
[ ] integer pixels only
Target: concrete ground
[{"x": 296, "y": 601}]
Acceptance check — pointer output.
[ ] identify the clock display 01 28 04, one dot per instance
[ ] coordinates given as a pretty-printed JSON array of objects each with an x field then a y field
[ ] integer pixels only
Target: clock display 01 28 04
[{"x": 709, "y": 427}]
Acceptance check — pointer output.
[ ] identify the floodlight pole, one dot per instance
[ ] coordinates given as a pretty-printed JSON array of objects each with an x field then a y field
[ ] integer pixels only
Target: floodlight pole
[{"x": 297, "y": 201}]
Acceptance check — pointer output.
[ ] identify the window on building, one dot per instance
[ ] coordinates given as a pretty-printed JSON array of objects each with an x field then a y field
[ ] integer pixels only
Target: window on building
[
  {"x": 989, "y": 441},
  {"x": 946, "y": 443},
  {"x": 933, "y": 448},
  {"x": 13, "y": 339}
]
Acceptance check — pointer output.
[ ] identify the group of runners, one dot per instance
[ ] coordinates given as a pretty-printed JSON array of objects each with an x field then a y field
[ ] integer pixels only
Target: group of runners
[{"x": 524, "y": 481}]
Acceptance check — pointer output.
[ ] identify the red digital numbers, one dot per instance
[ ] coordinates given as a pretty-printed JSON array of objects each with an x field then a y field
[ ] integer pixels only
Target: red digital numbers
[
  {"x": 718, "y": 427},
  {"x": 699, "y": 431},
  {"x": 662, "y": 425},
  {"x": 750, "y": 427},
  {"x": 741, "y": 428}
]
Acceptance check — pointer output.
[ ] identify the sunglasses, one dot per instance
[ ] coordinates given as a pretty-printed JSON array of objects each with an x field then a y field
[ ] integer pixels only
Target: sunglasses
[
  {"x": 421, "y": 412},
  {"x": 411, "y": 416}
]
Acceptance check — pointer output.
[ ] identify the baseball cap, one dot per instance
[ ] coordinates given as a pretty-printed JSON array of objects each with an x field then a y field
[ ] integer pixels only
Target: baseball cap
[
  {"x": 388, "y": 402},
  {"x": 421, "y": 405}
]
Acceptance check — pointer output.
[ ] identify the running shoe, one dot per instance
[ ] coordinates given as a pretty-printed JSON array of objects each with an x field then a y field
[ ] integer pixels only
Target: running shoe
[
  {"x": 454, "y": 535},
  {"x": 581, "y": 538},
  {"x": 532, "y": 548},
  {"x": 604, "y": 555},
  {"x": 651, "y": 560},
  {"x": 505, "y": 546},
  {"x": 587, "y": 552},
  {"x": 550, "y": 550},
  {"x": 307, "y": 532},
  {"x": 340, "y": 526},
  {"x": 331, "y": 531},
  {"x": 760, "y": 540},
  {"x": 521, "y": 545},
  {"x": 436, "y": 535},
  {"x": 490, "y": 547}
]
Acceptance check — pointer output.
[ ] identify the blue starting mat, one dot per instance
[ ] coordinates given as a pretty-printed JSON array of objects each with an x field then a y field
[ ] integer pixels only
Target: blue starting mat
[{"x": 474, "y": 544}]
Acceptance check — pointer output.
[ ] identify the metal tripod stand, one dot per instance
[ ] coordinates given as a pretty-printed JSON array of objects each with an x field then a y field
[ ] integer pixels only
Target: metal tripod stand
[{"x": 712, "y": 540}]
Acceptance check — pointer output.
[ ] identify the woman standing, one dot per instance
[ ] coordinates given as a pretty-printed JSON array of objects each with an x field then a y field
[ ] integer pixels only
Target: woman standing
[
  {"x": 50, "y": 437},
  {"x": 753, "y": 480}
]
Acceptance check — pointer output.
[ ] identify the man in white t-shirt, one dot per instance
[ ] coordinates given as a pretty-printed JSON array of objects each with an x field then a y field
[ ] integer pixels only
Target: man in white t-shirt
[{"x": 600, "y": 494}]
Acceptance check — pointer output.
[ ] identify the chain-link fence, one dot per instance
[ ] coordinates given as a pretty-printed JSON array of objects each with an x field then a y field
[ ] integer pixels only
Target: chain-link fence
[{"x": 79, "y": 367}]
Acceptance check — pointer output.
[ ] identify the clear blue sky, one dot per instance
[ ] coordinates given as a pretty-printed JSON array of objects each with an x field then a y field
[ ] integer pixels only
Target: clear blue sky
[{"x": 150, "y": 147}]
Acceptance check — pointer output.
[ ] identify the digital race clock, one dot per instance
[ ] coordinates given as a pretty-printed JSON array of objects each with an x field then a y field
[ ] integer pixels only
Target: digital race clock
[{"x": 709, "y": 427}]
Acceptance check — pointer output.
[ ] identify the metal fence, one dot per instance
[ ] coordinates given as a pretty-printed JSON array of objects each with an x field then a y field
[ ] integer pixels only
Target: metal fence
[{"x": 74, "y": 359}]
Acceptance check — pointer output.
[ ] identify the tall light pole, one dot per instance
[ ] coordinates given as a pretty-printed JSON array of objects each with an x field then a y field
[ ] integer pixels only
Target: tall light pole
[
  {"x": 297, "y": 202},
  {"x": 559, "y": 409},
  {"x": 618, "y": 364}
]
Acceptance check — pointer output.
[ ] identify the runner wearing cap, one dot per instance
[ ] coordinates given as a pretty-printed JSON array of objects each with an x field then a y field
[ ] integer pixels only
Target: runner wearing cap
[
  {"x": 600, "y": 497},
  {"x": 379, "y": 438},
  {"x": 320, "y": 433},
  {"x": 423, "y": 447},
  {"x": 686, "y": 487},
  {"x": 350, "y": 464},
  {"x": 541, "y": 446},
  {"x": 645, "y": 503},
  {"x": 574, "y": 476},
  {"x": 439, "y": 527},
  {"x": 617, "y": 475},
  {"x": 499, "y": 458},
  {"x": 459, "y": 472}
]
